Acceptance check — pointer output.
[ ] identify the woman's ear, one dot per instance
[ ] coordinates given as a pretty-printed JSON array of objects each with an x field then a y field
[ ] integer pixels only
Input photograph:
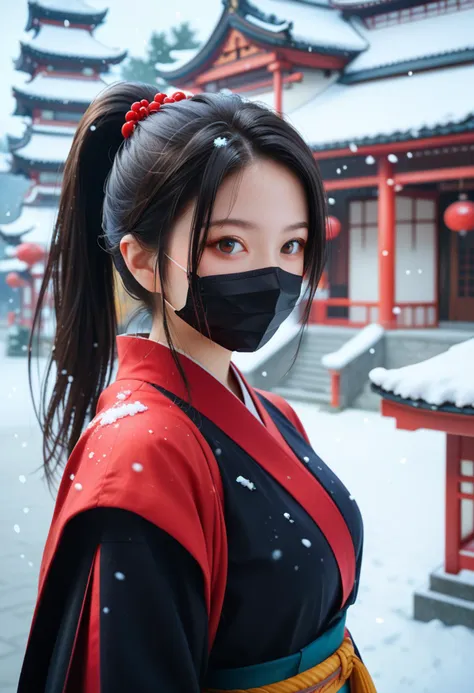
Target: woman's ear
[{"x": 141, "y": 263}]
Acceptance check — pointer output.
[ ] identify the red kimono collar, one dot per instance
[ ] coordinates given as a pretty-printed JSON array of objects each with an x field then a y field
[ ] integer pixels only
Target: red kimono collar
[{"x": 148, "y": 361}]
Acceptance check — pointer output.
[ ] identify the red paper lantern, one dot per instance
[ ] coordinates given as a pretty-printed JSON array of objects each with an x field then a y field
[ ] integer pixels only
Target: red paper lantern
[
  {"x": 14, "y": 280},
  {"x": 460, "y": 216},
  {"x": 333, "y": 228},
  {"x": 31, "y": 253}
]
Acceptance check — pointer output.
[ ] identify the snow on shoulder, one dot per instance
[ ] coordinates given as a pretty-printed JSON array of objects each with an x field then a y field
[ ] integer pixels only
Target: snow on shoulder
[{"x": 444, "y": 379}]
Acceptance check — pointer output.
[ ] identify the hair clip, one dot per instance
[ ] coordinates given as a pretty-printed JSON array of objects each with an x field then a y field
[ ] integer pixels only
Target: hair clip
[
  {"x": 139, "y": 110},
  {"x": 220, "y": 142}
]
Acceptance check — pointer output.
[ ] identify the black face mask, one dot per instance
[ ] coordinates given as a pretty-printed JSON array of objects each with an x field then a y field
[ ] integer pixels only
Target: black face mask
[{"x": 242, "y": 311}]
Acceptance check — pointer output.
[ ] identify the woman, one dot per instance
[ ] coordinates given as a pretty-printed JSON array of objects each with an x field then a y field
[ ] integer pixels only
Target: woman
[{"x": 198, "y": 542}]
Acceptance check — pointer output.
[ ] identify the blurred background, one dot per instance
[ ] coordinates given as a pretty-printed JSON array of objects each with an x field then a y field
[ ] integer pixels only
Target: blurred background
[{"x": 382, "y": 91}]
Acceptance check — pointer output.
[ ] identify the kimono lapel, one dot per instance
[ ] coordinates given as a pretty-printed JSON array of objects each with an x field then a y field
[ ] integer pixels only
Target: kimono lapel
[{"x": 145, "y": 360}]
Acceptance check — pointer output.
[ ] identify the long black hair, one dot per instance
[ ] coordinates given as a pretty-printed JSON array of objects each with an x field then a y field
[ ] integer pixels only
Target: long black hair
[{"x": 141, "y": 185}]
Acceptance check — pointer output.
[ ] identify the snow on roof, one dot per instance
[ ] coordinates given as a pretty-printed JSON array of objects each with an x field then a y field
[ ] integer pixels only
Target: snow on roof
[
  {"x": 70, "y": 42},
  {"x": 46, "y": 86},
  {"x": 16, "y": 126},
  {"x": 36, "y": 223},
  {"x": 445, "y": 33},
  {"x": 314, "y": 25},
  {"x": 444, "y": 379},
  {"x": 52, "y": 149},
  {"x": 38, "y": 190},
  {"x": 384, "y": 107},
  {"x": 13, "y": 264},
  {"x": 180, "y": 58},
  {"x": 73, "y": 6}
]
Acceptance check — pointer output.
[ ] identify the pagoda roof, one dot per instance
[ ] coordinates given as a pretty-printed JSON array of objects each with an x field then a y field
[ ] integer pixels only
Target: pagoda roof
[
  {"x": 74, "y": 11},
  {"x": 12, "y": 264},
  {"x": 46, "y": 145},
  {"x": 276, "y": 23},
  {"x": 52, "y": 44},
  {"x": 35, "y": 225},
  {"x": 392, "y": 109},
  {"x": 402, "y": 47},
  {"x": 48, "y": 87}
]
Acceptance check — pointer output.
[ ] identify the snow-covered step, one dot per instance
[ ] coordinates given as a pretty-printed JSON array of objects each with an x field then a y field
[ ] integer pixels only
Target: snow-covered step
[
  {"x": 460, "y": 586},
  {"x": 315, "y": 397},
  {"x": 451, "y": 611}
]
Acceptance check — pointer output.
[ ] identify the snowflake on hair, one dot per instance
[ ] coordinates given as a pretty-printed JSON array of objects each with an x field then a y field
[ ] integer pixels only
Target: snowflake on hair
[{"x": 220, "y": 142}]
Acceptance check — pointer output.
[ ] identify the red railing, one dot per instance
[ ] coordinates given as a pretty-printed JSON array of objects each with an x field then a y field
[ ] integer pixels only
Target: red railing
[{"x": 407, "y": 315}]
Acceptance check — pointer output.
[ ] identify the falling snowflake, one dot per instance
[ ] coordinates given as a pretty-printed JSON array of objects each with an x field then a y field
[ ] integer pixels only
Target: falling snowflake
[
  {"x": 264, "y": 373},
  {"x": 245, "y": 482},
  {"x": 72, "y": 476},
  {"x": 379, "y": 620},
  {"x": 372, "y": 351},
  {"x": 78, "y": 487},
  {"x": 24, "y": 445},
  {"x": 219, "y": 452},
  {"x": 385, "y": 253},
  {"x": 331, "y": 201},
  {"x": 409, "y": 155},
  {"x": 276, "y": 555},
  {"x": 137, "y": 467},
  {"x": 26, "y": 510},
  {"x": 16, "y": 528},
  {"x": 397, "y": 310},
  {"x": 106, "y": 610},
  {"x": 22, "y": 479},
  {"x": 91, "y": 455},
  {"x": 287, "y": 516},
  {"x": 393, "y": 158},
  {"x": 119, "y": 576},
  {"x": 369, "y": 160},
  {"x": 22, "y": 555},
  {"x": 353, "y": 147},
  {"x": 306, "y": 459},
  {"x": 306, "y": 542}
]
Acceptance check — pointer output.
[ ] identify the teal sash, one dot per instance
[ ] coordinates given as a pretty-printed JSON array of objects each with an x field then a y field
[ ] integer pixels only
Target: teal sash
[{"x": 264, "y": 674}]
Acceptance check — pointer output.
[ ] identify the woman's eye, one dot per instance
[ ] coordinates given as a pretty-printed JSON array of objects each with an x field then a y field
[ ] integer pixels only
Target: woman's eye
[
  {"x": 292, "y": 247},
  {"x": 229, "y": 246}
]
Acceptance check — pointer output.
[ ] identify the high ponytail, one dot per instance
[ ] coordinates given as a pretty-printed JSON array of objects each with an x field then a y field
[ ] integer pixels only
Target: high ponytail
[
  {"x": 171, "y": 162},
  {"x": 79, "y": 272}
]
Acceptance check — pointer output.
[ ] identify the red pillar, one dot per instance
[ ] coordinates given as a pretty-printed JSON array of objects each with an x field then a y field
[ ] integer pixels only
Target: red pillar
[
  {"x": 277, "y": 68},
  {"x": 453, "y": 505},
  {"x": 386, "y": 229}
]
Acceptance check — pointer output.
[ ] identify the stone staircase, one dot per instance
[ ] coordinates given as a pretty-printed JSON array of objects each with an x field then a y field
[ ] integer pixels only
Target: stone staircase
[{"x": 308, "y": 380}]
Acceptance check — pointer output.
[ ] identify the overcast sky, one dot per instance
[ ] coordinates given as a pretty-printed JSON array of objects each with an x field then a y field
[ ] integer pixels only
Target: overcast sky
[{"x": 129, "y": 24}]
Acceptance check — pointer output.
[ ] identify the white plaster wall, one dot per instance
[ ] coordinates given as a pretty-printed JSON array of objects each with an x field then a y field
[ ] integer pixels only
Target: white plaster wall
[
  {"x": 415, "y": 265},
  {"x": 297, "y": 93}
]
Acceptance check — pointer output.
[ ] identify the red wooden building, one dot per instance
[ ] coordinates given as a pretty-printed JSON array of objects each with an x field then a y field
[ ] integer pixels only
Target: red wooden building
[{"x": 381, "y": 91}]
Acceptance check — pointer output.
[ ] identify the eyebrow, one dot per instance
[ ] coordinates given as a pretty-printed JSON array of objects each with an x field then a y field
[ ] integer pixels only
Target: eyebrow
[{"x": 241, "y": 223}]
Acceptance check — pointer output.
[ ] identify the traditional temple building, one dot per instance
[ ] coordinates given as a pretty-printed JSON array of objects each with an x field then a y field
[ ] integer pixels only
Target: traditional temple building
[
  {"x": 64, "y": 65},
  {"x": 380, "y": 89}
]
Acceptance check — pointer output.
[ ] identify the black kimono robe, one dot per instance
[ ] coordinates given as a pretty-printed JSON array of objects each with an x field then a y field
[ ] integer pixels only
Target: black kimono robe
[{"x": 187, "y": 537}]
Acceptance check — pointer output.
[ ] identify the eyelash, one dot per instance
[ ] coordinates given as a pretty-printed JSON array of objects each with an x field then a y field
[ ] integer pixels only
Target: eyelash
[{"x": 215, "y": 244}]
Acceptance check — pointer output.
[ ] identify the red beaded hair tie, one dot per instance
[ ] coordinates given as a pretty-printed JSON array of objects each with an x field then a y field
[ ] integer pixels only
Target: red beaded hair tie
[{"x": 142, "y": 109}]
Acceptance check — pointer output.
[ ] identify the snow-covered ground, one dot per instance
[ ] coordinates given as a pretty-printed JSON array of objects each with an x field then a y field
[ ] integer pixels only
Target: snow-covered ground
[{"x": 397, "y": 478}]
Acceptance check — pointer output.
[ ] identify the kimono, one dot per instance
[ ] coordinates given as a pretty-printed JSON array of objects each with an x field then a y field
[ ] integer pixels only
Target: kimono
[{"x": 189, "y": 536}]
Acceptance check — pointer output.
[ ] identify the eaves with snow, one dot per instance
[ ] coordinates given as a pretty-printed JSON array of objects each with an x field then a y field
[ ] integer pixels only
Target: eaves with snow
[
  {"x": 428, "y": 42},
  {"x": 68, "y": 43},
  {"x": 34, "y": 225},
  {"x": 50, "y": 88},
  {"x": 280, "y": 23},
  {"x": 395, "y": 108},
  {"x": 444, "y": 382},
  {"x": 47, "y": 145}
]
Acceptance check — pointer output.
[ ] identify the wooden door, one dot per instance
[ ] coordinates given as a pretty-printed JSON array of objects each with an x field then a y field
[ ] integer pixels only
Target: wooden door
[{"x": 462, "y": 277}]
